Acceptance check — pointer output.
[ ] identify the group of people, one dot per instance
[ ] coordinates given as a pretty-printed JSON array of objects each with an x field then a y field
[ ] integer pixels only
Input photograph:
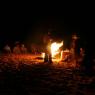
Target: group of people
[
  {"x": 21, "y": 49},
  {"x": 17, "y": 49},
  {"x": 47, "y": 40}
]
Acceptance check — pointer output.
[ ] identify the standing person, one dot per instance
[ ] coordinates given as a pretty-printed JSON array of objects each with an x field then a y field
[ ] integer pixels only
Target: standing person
[
  {"x": 16, "y": 49},
  {"x": 7, "y": 49},
  {"x": 88, "y": 62},
  {"x": 47, "y": 43},
  {"x": 23, "y": 49},
  {"x": 73, "y": 45},
  {"x": 82, "y": 52}
]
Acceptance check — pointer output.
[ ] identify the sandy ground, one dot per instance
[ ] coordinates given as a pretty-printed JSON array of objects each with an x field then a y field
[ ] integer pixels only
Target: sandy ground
[{"x": 28, "y": 75}]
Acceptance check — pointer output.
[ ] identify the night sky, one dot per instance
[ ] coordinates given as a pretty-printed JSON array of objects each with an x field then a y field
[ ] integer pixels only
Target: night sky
[{"x": 61, "y": 25}]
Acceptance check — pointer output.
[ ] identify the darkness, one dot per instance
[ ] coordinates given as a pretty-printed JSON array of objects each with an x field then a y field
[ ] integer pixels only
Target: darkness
[
  {"x": 32, "y": 28},
  {"x": 42, "y": 78}
]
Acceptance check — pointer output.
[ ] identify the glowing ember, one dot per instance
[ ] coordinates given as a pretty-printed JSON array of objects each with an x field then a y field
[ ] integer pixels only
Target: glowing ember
[{"x": 55, "y": 48}]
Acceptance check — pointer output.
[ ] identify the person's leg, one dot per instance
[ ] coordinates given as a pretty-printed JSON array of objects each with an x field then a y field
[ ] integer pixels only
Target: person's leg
[
  {"x": 46, "y": 57},
  {"x": 50, "y": 58}
]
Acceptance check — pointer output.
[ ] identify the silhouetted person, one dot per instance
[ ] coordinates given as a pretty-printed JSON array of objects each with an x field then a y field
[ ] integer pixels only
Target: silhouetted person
[
  {"x": 73, "y": 45},
  {"x": 7, "y": 49},
  {"x": 16, "y": 49},
  {"x": 88, "y": 59},
  {"x": 82, "y": 52},
  {"x": 23, "y": 49},
  {"x": 47, "y": 43}
]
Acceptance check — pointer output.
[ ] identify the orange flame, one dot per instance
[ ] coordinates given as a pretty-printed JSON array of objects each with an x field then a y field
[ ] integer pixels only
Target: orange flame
[
  {"x": 43, "y": 55},
  {"x": 55, "y": 48}
]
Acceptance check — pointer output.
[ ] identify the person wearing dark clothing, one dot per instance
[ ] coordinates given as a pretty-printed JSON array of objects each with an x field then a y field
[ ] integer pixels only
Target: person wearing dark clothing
[
  {"x": 88, "y": 62},
  {"x": 47, "y": 43},
  {"x": 7, "y": 49}
]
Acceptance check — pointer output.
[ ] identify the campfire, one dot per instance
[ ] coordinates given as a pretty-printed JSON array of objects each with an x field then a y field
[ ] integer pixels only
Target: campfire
[
  {"x": 55, "y": 48},
  {"x": 55, "y": 51}
]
